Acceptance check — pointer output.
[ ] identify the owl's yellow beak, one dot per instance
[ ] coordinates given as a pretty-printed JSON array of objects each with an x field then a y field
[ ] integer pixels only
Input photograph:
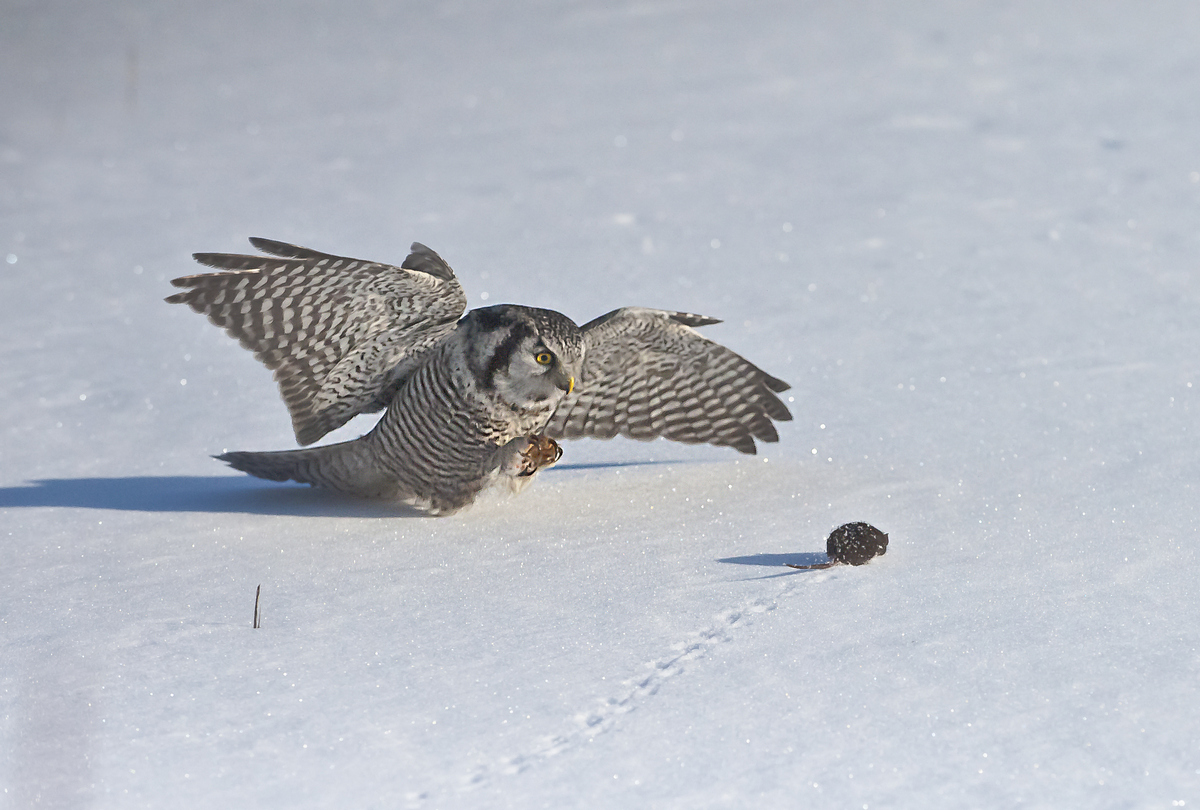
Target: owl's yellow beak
[{"x": 562, "y": 382}]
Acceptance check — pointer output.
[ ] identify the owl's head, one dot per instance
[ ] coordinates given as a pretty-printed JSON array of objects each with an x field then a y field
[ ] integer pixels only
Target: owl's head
[{"x": 529, "y": 358}]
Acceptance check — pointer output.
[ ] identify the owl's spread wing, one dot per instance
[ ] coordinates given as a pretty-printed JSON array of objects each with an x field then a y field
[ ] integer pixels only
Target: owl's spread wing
[
  {"x": 648, "y": 373},
  {"x": 338, "y": 332}
]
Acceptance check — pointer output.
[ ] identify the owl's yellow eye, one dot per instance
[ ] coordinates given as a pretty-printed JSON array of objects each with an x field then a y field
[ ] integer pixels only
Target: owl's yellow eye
[{"x": 544, "y": 358}]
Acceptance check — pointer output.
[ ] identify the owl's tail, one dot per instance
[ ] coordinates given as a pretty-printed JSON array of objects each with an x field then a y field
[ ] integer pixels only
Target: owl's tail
[{"x": 348, "y": 467}]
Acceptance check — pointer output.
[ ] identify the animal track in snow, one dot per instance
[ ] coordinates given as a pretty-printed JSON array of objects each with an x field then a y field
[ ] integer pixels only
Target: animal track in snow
[{"x": 634, "y": 692}]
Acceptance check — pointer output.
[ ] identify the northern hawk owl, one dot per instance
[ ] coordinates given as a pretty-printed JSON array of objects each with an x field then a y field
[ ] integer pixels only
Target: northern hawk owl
[{"x": 471, "y": 398}]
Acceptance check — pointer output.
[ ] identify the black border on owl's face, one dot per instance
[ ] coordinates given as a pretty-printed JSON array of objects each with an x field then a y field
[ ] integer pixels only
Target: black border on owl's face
[{"x": 520, "y": 333}]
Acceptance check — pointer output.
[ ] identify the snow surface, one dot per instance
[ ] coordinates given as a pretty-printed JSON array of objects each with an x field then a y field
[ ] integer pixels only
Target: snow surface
[{"x": 966, "y": 232}]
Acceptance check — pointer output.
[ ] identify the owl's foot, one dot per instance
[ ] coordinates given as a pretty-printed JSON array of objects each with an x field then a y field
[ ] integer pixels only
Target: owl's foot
[
  {"x": 522, "y": 457},
  {"x": 541, "y": 451}
]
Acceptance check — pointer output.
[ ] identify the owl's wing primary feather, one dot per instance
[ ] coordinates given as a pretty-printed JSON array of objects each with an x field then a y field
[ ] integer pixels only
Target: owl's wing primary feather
[
  {"x": 339, "y": 333},
  {"x": 648, "y": 373}
]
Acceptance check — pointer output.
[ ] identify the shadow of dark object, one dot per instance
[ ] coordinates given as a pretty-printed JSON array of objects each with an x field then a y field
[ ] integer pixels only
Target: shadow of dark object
[
  {"x": 778, "y": 560},
  {"x": 196, "y": 493}
]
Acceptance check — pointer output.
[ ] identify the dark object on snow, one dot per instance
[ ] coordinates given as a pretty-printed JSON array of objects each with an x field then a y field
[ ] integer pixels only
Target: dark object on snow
[
  {"x": 856, "y": 543},
  {"x": 853, "y": 544}
]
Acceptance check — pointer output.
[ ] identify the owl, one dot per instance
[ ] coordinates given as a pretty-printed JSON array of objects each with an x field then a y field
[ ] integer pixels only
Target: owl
[{"x": 468, "y": 400}]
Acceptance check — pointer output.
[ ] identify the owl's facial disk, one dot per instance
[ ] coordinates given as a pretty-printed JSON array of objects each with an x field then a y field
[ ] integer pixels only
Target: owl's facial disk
[
  {"x": 530, "y": 358},
  {"x": 535, "y": 375}
]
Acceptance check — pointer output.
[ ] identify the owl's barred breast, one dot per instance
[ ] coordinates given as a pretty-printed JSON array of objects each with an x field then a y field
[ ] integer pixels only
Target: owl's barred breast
[
  {"x": 441, "y": 433},
  {"x": 424, "y": 440}
]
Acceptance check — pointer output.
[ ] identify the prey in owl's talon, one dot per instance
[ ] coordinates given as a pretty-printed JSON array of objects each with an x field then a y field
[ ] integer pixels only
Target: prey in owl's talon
[{"x": 542, "y": 451}]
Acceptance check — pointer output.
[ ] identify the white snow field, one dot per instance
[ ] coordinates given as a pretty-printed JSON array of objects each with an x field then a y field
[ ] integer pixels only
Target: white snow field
[{"x": 967, "y": 233}]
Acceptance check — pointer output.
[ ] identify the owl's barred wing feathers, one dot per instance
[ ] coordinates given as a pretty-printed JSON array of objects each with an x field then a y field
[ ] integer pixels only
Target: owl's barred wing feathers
[
  {"x": 338, "y": 332},
  {"x": 648, "y": 373}
]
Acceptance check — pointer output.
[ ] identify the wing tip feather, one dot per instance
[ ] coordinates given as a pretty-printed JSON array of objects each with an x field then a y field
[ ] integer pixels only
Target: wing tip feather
[
  {"x": 775, "y": 384},
  {"x": 423, "y": 259},
  {"x": 272, "y": 246},
  {"x": 692, "y": 319},
  {"x": 745, "y": 447}
]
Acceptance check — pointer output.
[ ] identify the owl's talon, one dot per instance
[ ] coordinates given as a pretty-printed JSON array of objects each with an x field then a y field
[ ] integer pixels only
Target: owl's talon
[{"x": 542, "y": 451}]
